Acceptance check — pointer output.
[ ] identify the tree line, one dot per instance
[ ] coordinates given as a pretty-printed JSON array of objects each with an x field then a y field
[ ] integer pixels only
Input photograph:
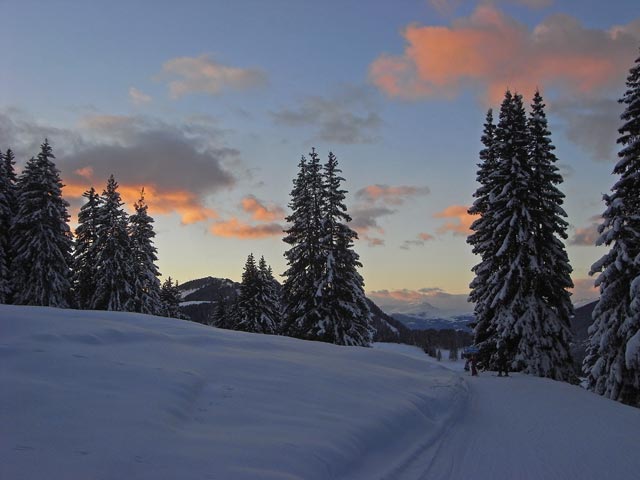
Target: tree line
[
  {"x": 520, "y": 288},
  {"x": 109, "y": 266}
]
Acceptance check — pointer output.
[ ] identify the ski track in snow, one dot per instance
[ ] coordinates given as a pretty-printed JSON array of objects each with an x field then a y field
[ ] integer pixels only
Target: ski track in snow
[{"x": 124, "y": 396}]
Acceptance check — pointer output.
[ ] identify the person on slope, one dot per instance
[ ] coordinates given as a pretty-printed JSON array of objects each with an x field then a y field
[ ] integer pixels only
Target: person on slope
[{"x": 502, "y": 360}]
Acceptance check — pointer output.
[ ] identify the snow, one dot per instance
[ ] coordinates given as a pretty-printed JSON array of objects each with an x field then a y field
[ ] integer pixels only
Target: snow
[
  {"x": 194, "y": 302},
  {"x": 115, "y": 395}
]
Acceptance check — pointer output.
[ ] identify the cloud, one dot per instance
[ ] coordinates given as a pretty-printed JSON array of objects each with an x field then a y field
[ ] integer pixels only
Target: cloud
[
  {"x": 491, "y": 51},
  {"x": 461, "y": 220},
  {"x": 584, "y": 289},
  {"x": 138, "y": 98},
  {"x": 204, "y": 75},
  {"x": 347, "y": 117},
  {"x": 179, "y": 165},
  {"x": 421, "y": 239},
  {"x": 261, "y": 212},
  {"x": 389, "y": 194},
  {"x": 587, "y": 236},
  {"x": 592, "y": 124},
  {"x": 234, "y": 228},
  {"x": 365, "y": 221}
]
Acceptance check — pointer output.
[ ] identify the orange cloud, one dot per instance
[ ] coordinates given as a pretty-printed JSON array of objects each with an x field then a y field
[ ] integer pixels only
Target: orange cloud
[
  {"x": 493, "y": 52},
  {"x": 234, "y": 228},
  {"x": 425, "y": 236},
  {"x": 584, "y": 289},
  {"x": 390, "y": 194},
  {"x": 461, "y": 223},
  {"x": 160, "y": 201},
  {"x": 259, "y": 211}
]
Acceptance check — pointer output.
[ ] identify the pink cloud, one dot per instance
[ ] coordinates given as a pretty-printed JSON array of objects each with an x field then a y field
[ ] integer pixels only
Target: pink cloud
[
  {"x": 492, "y": 51},
  {"x": 460, "y": 222},
  {"x": 393, "y": 195},
  {"x": 261, "y": 212},
  {"x": 234, "y": 228}
]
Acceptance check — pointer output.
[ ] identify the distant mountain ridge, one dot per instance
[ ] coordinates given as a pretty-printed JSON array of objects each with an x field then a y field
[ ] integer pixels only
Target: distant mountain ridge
[{"x": 200, "y": 297}]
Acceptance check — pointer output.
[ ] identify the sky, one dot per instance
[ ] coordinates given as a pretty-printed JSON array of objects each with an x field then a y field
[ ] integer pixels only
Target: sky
[{"x": 209, "y": 105}]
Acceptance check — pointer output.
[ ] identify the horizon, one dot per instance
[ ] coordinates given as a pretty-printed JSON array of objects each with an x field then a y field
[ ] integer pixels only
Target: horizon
[{"x": 220, "y": 119}]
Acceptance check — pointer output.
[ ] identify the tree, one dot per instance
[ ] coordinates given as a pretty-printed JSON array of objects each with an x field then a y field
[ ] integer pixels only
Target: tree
[
  {"x": 10, "y": 175},
  {"x": 544, "y": 344},
  {"x": 41, "y": 241},
  {"x": 521, "y": 281},
  {"x": 302, "y": 290},
  {"x": 146, "y": 286},
  {"x": 6, "y": 216},
  {"x": 347, "y": 319},
  {"x": 612, "y": 363},
  {"x": 255, "y": 311},
  {"x": 114, "y": 260},
  {"x": 269, "y": 298},
  {"x": 453, "y": 354},
  {"x": 84, "y": 258},
  {"x": 482, "y": 237},
  {"x": 170, "y": 298}
]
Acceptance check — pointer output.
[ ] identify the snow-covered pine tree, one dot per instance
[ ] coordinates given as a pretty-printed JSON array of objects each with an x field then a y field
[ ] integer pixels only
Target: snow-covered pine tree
[
  {"x": 482, "y": 237},
  {"x": 508, "y": 292},
  {"x": 545, "y": 333},
  {"x": 302, "y": 290},
  {"x": 347, "y": 319},
  {"x": 219, "y": 315},
  {"x": 146, "y": 286},
  {"x": 612, "y": 364},
  {"x": 269, "y": 298},
  {"x": 6, "y": 216},
  {"x": 170, "y": 298},
  {"x": 114, "y": 262},
  {"x": 41, "y": 241},
  {"x": 84, "y": 257},
  {"x": 253, "y": 313}
]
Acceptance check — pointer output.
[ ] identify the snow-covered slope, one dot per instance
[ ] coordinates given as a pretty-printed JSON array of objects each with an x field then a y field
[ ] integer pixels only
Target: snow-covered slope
[{"x": 114, "y": 395}]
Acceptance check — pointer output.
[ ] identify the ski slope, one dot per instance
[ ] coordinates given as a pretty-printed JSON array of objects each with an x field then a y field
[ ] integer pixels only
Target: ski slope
[{"x": 106, "y": 395}]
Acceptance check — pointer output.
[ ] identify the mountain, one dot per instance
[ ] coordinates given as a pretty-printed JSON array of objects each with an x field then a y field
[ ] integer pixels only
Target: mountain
[
  {"x": 580, "y": 324},
  {"x": 200, "y": 296}
]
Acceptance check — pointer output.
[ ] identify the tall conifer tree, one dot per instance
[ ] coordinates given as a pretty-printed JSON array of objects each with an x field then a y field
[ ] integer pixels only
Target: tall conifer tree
[
  {"x": 114, "y": 260},
  {"x": 347, "y": 319},
  {"x": 302, "y": 286},
  {"x": 544, "y": 345},
  {"x": 612, "y": 364},
  {"x": 482, "y": 237},
  {"x": 41, "y": 240},
  {"x": 6, "y": 216},
  {"x": 146, "y": 286},
  {"x": 85, "y": 254}
]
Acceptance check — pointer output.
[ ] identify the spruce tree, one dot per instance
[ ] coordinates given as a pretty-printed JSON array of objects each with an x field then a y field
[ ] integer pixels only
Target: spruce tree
[
  {"x": 41, "y": 241},
  {"x": 84, "y": 258},
  {"x": 544, "y": 346},
  {"x": 612, "y": 364},
  {"x": 269, "y": 298},
  {"x": 146, "y": 286},
  {"x": 482, "y": 237},
  {"x": 520, "y": 288},
  {"x": 252, "y": 313},
  {"x": 114, "y": 260},
  {"x": 302, "y": 290},
  {"x": 170, "y": 298},
  {"x": 6, "y": 216},
  {"x": 347, "y": 319}
]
